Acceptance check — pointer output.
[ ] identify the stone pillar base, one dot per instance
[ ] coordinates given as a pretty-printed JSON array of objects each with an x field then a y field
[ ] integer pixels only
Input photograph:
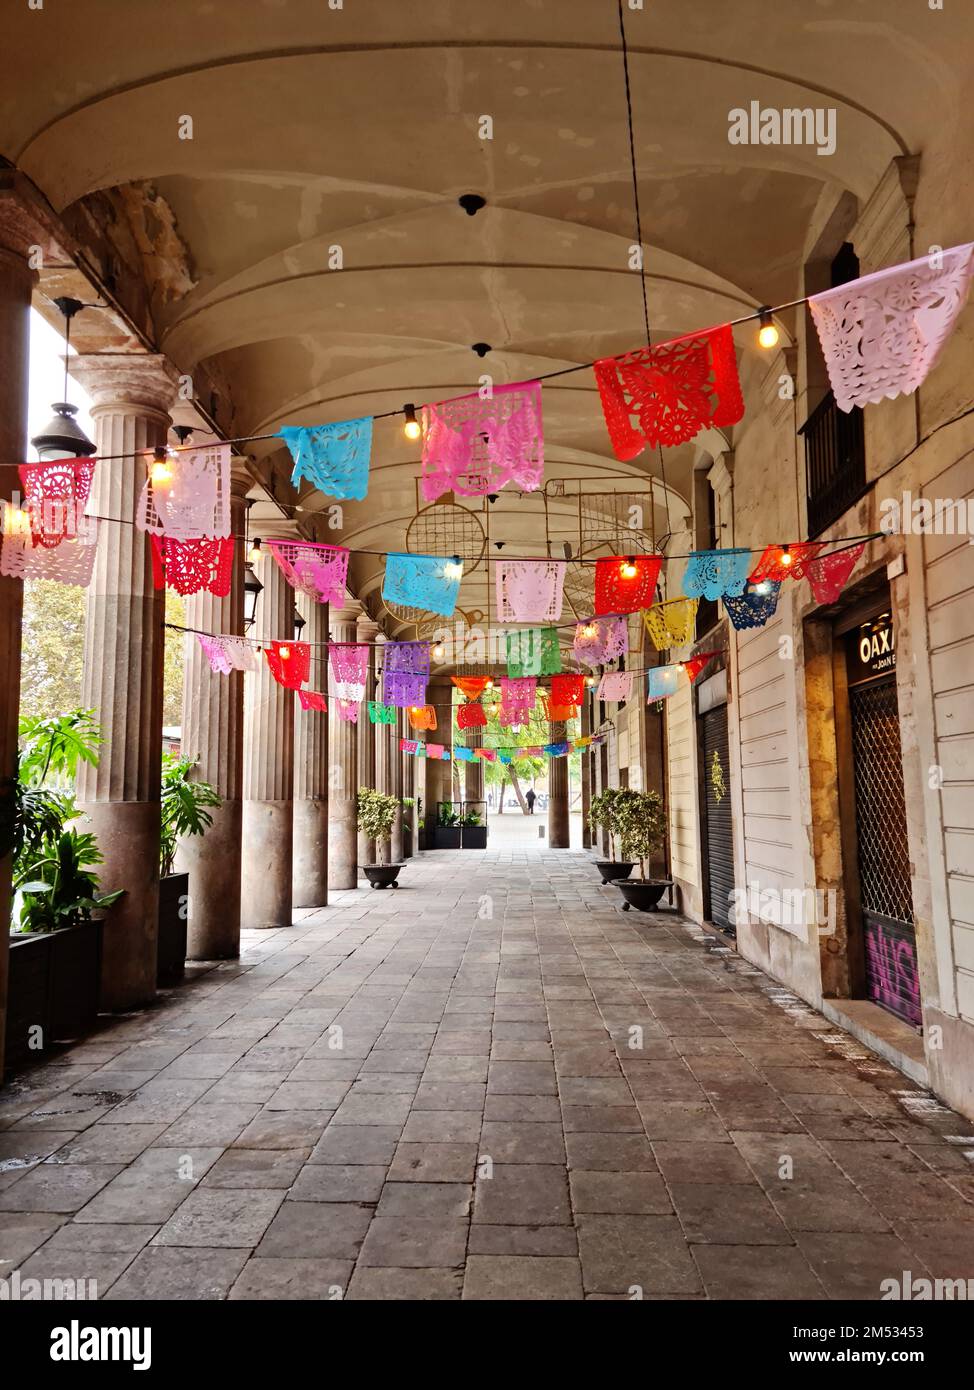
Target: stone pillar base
[
  {"x": 310, "y": 853},
  {"x": 342, "y": 844},
  {"x": 128, "y": 838},
  {"x": 268, "y": 834},
  {"x": 213, "y": 864}
]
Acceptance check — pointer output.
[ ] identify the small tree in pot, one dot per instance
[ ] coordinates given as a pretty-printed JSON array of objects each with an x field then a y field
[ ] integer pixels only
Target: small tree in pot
[
  {"x": 185, "y": 811},
  {"x": 641, "y": 824},
  {"x": 602, "y": 813},
  {"x": 376, "y": 814}
]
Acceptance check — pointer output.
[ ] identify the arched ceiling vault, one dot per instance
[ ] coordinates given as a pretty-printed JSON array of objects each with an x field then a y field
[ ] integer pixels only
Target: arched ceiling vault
[{"x": 315, "y": 129}]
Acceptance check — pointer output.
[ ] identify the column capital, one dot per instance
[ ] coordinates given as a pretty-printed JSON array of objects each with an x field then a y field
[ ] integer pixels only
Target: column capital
[
  {"x": 368, "y": 630},
  {"x": 350, "y": 614},
  {"x": 142, "y": 380}
]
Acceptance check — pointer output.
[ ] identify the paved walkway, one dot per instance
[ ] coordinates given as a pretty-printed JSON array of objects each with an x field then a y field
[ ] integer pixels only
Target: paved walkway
[{"x": 490, "y": 1084}]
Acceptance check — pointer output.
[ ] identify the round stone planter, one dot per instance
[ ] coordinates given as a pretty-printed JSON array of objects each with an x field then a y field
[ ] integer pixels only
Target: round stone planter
[
  {"x": 612, "y": 869},
  {"x": 382, "y": 875},
  {"x": 642, "y": 893}
]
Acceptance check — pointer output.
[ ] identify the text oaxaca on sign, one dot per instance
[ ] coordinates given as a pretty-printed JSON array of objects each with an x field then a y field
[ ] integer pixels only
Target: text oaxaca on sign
[
  {"x": 871, "y": 650},
  {"x": 77, "y": 1343}
]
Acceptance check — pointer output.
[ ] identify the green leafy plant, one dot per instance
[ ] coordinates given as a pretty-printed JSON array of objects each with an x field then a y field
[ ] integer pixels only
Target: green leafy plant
[
  {"x": 376, "y": 816},
  {"x": 471, "y": 818},
  {"x": 602, "y": 813},
  {"x": 446, "y": 817},
  {"x": 56, "y": 888},
  {"x": 185, "y": 807},
  {"x": 52, "y": 749},
  {"x": 640, "y": 823}
]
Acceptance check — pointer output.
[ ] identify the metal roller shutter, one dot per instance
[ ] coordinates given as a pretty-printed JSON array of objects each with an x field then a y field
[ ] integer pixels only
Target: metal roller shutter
[{"x": 718, "y": 827}]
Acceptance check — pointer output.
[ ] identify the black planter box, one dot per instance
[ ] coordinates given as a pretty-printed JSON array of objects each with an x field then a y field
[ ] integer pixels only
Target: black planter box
[
  {"x": 173, "y": 913},
  {"x": 407, "y": 842},
  {"x": 446, "y": 837},
  {"x": 422, "y": 840},
  {"x": 473, "y": 837},
  {"x": 53, "y": 988}
]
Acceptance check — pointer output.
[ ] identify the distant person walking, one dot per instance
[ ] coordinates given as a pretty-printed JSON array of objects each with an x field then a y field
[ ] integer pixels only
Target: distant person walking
[{"x": 530, "y": 799}]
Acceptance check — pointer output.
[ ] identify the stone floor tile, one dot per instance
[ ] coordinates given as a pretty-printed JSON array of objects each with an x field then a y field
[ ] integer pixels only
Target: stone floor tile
[
  {"x": 425, "y": 1199},
  {"x": 442, "y": 1126},
  {"x": 163, "y": 1274},
  {"x": 58, "y": 1187},
  {"x": 610, "y": 1152},
  {"x": 338, "y": 1182},
  {"x": 316, "y": 1230},
  {"x": 524, "y": 1277},
  {"x": 602, "y": 1119},
  {"x": 701, "y": 1162},
  {"x": 356, "y": 1144},
  {"x": 412, "y": 1285},
  {"x": 542, "y": 1109},
  {"x": 309, "y": 1095},
  {"x": 711, "y": 1214},
  {"x": 648, "y": 1252},
  {"x": 368, "y": 1109},
  {"x": 409, "y": 1242},
  {"x": 150, "y": 1188},
  {"x": 619, "y": 1192},
  {"x": 260, "y": 1168},
  {"x": 283, "y": 1129},
  {"x": 756, "y": 1272},
  {"x": 849, "y": 1266},
  {"x": 523, "y": 1142},
  {"x": 433, "y": 1163},
  {"x": 22, "y": 1232},
  {"x": 301, "y": 1279},
  {"x": 523, "y": 1194},
  {"x": 216, "y": 1217},
  {"x": 522, "y": 1240}
]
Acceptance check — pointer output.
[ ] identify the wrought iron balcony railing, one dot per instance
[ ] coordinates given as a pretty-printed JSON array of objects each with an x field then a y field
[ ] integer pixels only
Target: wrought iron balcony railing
[{"x": 835, "y": 462}]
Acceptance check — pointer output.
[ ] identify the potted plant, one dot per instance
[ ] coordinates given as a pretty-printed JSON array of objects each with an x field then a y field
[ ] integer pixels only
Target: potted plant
[
  {"x": 185, "y": 812},
  {"x": 408, "y": 812},
  {"x": 641, "y": 824},
  {"x": 602, "y": 814},
  {"x": 446, "y": 830},
  {"x": 55, "y": 943},
  {"x": 376, "y": 814},
  {"x": 473, "y": 825}
]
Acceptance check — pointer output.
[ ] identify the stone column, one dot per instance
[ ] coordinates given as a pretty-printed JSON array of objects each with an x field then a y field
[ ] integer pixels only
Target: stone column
[
  {"x": 311, "y": 768},
  {"x": 16, "y": 280},
  {"x": 558, "y": 822},
  {"x": 396, "y": 790},
  {"x": 268, "y": 784},
  {"x": 369, "y": 734},
  {"x": 473, "y": 772},
  {"x": 586, "y": 761},
  {"x": 123, "y": 666},
  {"x": 408, "y": 766},
  {"x": 213, "y": 713},
  {"x": 343, "y": 737},
  {"x": 439, "y": 775}
]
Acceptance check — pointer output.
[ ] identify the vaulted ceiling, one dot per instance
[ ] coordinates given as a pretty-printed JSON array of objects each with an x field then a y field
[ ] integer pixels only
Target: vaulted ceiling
[{"x": 359, "y": 128}]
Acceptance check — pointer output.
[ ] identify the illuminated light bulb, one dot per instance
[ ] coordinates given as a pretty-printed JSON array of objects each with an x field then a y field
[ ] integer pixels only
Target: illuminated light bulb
[
  {"x": 590, "y": 630},
  {"x": 284, "y": 653},
  {"x": 161, "y": 470},
  {"x": 411, "y": 429},
  {"x": 768, "y": 332},
  {"x": 16, "y": 521},
  {"x": 786, "y": 557},
  {"x": 489, "y": 685},
  {"x": 437, "y": 652},
  {"x": 763, "y": 588},
  {"x": 628, "y": 569},
  {"x": 453, "y": 569},
  {"x": 590, "y": 681},
  {"x": 255, "y": 552}
]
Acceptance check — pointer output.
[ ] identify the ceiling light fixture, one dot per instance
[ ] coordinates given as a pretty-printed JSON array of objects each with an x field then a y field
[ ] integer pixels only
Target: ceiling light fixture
[
  {"x": 481, "y": 349},
  {"x": 471, "y": 203}
]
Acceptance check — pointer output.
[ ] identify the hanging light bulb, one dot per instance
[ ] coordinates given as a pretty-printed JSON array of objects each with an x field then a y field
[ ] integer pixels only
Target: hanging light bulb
[
  {"x": 768, "y": 332},
  {"x": 284, "y": 653},
  {"x": 255, "y": 552},
  {"x": 411, "y": 429},
  {"x": 16, "y": 521},
  {"x": 590, "y": 681},
  {"x": 453, "y": 569},
  {"x": 161, "y": 470},
  {"x": 490, "y": 683},
  {"x": 763, "y": 587},
  {"x": 590, "y": 630},
  {"x": 628, "y": 568},
  {"x": 786, "y": 556},
  {"x": 438, "y": 651}
]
